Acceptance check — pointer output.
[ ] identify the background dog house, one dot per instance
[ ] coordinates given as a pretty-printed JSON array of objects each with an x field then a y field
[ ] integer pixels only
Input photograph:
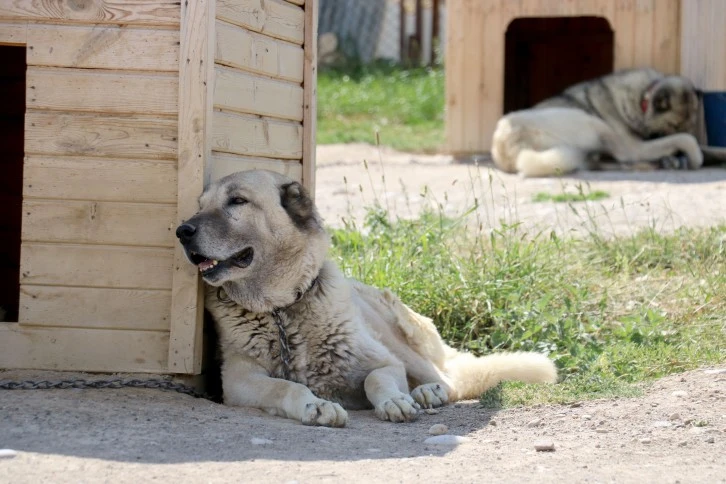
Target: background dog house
[
  {"x": 503, "y": 55},
  {"x": 113, "y": 116}
]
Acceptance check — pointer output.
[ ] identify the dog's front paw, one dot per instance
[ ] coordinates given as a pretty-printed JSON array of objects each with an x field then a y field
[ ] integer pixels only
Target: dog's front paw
[
  {"x": 324, "y": 413},
  {"x": 430, "y": 395},
  {"x": 673, "y": 162},
  {"x": 401, "y": 408}
]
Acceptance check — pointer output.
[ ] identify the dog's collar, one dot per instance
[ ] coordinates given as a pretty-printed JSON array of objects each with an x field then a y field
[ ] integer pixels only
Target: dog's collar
[{"x": 645, "y": 98}]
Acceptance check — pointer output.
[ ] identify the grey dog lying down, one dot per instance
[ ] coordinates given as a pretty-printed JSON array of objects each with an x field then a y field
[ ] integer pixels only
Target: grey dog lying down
[
  {"x": 638, "y": 117},
  {"x": 300, "y": 340}
]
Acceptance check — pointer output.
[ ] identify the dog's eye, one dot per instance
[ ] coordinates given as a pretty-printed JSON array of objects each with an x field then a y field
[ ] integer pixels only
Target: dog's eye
[
  {"x": 662, "y": 103},
  {"x": 237, "y": 201}
]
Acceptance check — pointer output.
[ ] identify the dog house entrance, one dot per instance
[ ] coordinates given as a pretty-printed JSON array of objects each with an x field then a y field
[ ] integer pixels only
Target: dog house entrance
[
  {"x": 12, "y": 112},
  {"x": 543, "y": 56}
]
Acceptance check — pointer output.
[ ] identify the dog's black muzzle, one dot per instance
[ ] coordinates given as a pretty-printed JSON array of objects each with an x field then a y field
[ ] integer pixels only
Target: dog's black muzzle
[{"x": 185, "y": 233}]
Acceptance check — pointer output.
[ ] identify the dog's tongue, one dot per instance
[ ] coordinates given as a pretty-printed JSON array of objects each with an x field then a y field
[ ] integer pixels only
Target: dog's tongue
[{"x": 205, "y": 265}]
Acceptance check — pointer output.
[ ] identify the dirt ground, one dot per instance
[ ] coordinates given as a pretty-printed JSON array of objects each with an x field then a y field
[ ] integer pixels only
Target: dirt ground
[
  {"x": 676, "y": 432},
  {"x": 662, "y": 199}
]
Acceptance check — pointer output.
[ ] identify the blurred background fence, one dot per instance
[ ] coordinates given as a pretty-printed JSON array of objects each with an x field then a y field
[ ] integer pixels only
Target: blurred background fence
[{"x": 406, "y": 32}]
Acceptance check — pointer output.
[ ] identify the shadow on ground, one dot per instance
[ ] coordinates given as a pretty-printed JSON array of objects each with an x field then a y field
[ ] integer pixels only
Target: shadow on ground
[
  {"x": 154, "y": 426},
  {"x": 676, "y": 177}
]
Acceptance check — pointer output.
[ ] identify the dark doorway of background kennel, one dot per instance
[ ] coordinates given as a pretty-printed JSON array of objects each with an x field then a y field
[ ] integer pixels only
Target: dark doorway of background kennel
[
  {"x": 12, "y": 113},
  {"x": 543, "y": 56}
]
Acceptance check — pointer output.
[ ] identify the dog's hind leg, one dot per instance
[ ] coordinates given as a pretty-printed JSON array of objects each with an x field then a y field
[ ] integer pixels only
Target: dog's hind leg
[
  {"x": 387, "y": 389},
  {"x": 247, "y": 384},
  {"x": 558, "y": 160}
]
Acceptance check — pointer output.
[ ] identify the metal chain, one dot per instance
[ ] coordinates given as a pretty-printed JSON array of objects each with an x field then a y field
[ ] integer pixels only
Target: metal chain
[
  {"x": 277, "y": 316},
  {"x": 284, "y": 347},
  {"x": 160, "y": 384},
  {"x": 114, "y": 383}
]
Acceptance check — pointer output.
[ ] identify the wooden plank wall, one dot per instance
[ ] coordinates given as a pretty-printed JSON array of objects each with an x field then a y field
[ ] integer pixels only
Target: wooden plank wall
[
  {"x": 100, "y": 183},
  {"x": 258, "y": 87},
  {"x": 647, "y": 33},
  {"x": 703, "y": 44},
  {"x": 196, "y": 71},
  {"x": 249, "y": 56}
]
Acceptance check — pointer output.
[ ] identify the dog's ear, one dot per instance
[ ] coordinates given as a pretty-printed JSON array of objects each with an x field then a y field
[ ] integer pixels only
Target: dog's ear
[{"x": 296, "y": 201}]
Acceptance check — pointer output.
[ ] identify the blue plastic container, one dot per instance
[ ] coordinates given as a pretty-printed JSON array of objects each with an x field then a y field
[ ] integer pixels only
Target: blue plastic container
[{"x": 714, "y": 107}]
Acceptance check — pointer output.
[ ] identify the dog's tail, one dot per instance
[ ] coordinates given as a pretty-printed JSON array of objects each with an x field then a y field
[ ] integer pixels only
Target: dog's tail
[
  {"x": 554, "y": 161},
  {"x": 471, "y": 376}
]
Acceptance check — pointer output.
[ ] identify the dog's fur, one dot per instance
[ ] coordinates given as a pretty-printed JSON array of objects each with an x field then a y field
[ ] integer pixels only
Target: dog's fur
[
  {"x": 351, "y": 345},
  {"x": 634, "y": 116}
]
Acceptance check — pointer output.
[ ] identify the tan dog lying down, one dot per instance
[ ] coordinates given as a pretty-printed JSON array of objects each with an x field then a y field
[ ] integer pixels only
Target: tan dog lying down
[{"x": 302, "y": 341}]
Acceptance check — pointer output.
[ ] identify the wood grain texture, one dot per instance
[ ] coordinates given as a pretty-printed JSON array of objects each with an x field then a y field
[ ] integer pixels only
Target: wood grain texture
[
  {"x": 250, "y": 51},
  {"x": 95, "y": 266},
  {"x": 224, "y": 164},
  {"x": 82, "y": 178},
  {"x": 142, "y": 12},
  {"x": 453, "y": 90},
  {"x": 235, "y": 90},
  {"x": 91, "y": 222},
  {"x": 95, "y": 308},
  {"x": 646, "y": 34},
  {"x": 109, "y": 92},
  {"x": 476, "y": 47},
  {"x": 98, "y": 135},
  {"x": 310, "y": 99},
  {"x": 13, "y": 33},
  {"x": 667, "y": 37},
  {"x": 253, "y": 136},
  {"x": 274, "y": 18},
  {"x": 643, "y": 32},
  {"x": 103, "y": 47},
  {"x": 196, "y": 72},
  {"x": 703, "y": 45},
  {"x": 80, "y": 349},
  {"x": 624, "y": 20}
]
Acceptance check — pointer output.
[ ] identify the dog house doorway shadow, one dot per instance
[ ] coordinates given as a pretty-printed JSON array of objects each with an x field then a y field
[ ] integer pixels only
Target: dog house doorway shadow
[
  {"x": 12, "y": 113},
  {"x": 545, "y": 55}
]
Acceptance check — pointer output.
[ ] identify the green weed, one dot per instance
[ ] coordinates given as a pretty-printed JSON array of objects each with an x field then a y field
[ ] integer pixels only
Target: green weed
[
  {"x": 570, "y": 197},
  {"x": 405, "y": 106},
  {"x": 610, "y": 311}
]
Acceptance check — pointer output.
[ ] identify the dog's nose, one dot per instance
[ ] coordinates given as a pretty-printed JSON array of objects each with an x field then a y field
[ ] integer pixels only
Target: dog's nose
[{"x": 185, "y": 232}]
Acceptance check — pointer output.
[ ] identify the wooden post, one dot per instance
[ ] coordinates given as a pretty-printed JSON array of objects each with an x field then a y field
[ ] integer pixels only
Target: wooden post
[
  {"x": 196, "y": 71},
  {"x": 310, "y": 94},
  {"x": 435, "y": 31},
  {"x": 403, "y": 41},
  {"x": 418, "y": 35}
]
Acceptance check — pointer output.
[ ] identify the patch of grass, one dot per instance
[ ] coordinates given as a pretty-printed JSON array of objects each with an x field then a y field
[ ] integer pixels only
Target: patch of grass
[
  {"x": 570, "y": 197},
  {"x": 611, "y": 312},
  {"x": 573, "y": 389},
  {"x": 405, "y": 106}
]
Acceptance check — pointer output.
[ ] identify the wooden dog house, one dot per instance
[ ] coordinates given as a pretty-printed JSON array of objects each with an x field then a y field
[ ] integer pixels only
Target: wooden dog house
[
  {"x": 503, "y": 55},
  {"x": 114, "y": 115}
]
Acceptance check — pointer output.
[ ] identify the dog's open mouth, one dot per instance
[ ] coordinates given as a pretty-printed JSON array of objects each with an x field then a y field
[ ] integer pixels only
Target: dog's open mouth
[{"x": 207, "y": 266}]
